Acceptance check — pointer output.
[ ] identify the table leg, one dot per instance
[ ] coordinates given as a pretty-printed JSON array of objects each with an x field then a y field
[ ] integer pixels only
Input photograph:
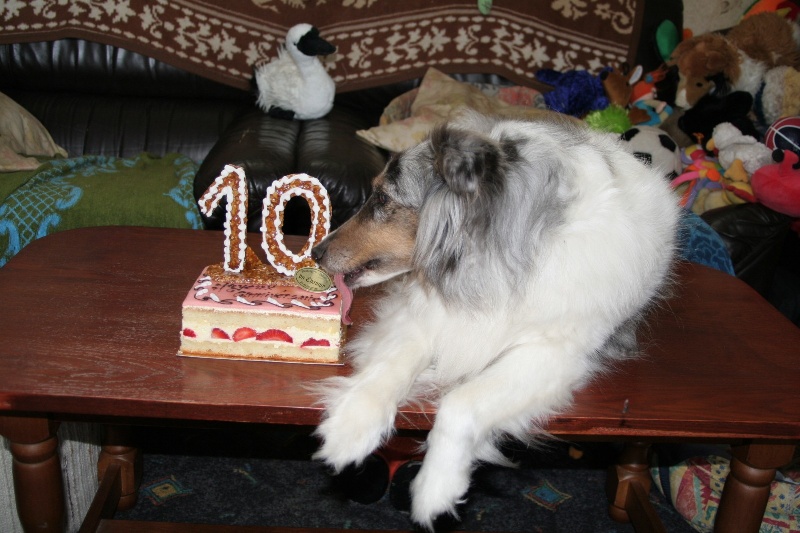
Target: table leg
[
  {"x": 746, "y": 492},
  {"x": 117, "y": 448},
  {"x": 38, "y": 483},
  {"x": 628, "y": 489}
]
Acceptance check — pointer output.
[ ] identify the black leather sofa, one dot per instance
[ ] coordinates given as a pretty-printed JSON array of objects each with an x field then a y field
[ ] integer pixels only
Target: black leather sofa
[
  {"x": 103, "y": 100},
  {"x": 100, "y": 99}
]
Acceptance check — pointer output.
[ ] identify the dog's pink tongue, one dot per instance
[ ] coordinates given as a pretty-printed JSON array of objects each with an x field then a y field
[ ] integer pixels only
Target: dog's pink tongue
[{"x": 347, "y": 297}]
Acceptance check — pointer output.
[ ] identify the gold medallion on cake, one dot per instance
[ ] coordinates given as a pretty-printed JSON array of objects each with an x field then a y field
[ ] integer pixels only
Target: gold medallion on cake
[{"x": 313, "y": 279}]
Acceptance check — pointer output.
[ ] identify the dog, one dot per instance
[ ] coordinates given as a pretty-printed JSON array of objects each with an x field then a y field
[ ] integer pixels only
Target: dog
[{"x": 518, "y": 258}]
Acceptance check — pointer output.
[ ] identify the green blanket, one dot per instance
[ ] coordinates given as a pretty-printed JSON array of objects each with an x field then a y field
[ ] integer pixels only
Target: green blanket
[{"x": 95, "y": 191}]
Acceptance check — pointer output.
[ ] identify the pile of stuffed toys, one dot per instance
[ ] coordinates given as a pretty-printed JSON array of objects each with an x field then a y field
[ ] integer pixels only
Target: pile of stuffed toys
[{"x": 721, "y": 116}]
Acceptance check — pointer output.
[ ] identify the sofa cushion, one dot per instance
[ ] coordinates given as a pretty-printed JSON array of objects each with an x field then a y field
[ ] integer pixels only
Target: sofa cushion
[
  {"x": 100, "y": 100},
  {"x": 269, "y": 148},
  {"x": 409, "y": 118},
  {"x": 22, "y": 134}
]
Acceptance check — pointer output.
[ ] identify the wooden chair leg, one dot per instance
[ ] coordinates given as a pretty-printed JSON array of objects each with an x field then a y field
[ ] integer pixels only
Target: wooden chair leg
[
  {"x": 38, "y": 485},
  {"x": 105, "y": 501},
  {"x": 746, "y": 492},
  {"x": 117, "y": 449},
  {"x": 628, "y": 490}
]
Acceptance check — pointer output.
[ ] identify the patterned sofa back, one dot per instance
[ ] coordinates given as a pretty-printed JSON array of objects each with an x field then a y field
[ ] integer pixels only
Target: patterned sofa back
[{"x": 379, "y": 41}]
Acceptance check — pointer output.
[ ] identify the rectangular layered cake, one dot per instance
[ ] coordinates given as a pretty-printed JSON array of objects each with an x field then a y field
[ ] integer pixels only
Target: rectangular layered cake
[{"x": 259, "y": 317}]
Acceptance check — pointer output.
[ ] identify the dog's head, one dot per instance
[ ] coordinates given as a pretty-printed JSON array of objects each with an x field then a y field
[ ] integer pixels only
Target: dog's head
[
  {"x": 435, "y": 211},
  {"x": 452, "y": 166}
]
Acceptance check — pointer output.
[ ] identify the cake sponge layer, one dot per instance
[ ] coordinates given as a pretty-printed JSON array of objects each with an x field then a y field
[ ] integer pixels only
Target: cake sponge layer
[
  {"x": 274, "y": 321},
  {"x": 259, "y": 351}
]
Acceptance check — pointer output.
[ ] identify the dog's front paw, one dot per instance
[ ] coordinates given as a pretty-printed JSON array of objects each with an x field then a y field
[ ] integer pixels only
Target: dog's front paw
[
  {"x": 434, "y": 495},
  {"x": 354, "y": 427}
]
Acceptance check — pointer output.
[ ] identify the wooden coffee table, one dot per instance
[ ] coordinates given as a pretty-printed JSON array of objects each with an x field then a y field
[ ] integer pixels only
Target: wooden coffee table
[{"x": 90, "y": 324}]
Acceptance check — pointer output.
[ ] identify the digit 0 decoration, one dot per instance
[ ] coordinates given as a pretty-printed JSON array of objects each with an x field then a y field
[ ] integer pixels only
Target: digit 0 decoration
[
  {"x": 230, "y": 184},
  {"x": 278, "y": 194}
]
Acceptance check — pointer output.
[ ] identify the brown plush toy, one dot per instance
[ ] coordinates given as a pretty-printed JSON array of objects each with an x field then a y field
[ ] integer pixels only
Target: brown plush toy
[
  {"x": 618, "y": 87},
  {"x": 736, "y": 61}
]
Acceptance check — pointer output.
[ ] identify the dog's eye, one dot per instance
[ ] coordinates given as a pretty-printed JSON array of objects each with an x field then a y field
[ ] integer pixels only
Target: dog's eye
[{"x": 381, "y": 198}]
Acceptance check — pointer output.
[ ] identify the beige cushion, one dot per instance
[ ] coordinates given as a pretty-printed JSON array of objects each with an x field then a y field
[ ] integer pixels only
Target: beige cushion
[
  {"x": 409, "y": 118},
  {"x": 21, "y": 135}
]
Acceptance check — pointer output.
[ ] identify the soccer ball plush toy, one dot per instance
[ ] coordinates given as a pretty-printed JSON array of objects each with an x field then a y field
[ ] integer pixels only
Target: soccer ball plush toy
[{"x": 654, "y": 147}]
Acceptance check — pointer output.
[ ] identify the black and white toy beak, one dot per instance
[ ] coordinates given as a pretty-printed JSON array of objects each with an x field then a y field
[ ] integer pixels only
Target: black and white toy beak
[{"x": 311, "y": 44}]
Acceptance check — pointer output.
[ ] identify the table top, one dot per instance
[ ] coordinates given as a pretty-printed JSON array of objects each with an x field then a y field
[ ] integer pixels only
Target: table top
[{"x": 90, "y": 321}]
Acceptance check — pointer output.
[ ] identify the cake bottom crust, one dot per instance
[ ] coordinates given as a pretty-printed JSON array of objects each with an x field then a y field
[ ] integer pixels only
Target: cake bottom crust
[{"x": 259, "y": 351}]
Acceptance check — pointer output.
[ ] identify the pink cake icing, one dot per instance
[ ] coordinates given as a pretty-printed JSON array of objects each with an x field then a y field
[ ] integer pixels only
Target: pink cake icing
[{"x": 250, "y": 319}]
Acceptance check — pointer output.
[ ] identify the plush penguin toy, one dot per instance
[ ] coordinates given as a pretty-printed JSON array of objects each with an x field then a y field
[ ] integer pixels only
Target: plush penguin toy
[{"x": 296, "y": 84}]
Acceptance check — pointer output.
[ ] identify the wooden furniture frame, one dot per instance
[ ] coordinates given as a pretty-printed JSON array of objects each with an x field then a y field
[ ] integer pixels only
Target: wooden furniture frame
[{"x": 90, "y": 322}]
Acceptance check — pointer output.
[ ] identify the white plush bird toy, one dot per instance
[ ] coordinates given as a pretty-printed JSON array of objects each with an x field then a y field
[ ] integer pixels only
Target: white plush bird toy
[
  {"x": 731, "y": 145},
  {"x": 296, "y": 84}
]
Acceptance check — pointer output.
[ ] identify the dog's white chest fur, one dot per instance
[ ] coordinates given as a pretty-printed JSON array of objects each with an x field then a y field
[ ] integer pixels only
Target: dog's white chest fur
[{"x": 526, "y": 253}]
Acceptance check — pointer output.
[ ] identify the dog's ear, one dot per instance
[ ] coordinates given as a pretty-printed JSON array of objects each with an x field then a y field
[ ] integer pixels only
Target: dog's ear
[{"x": 465, "y": 160}]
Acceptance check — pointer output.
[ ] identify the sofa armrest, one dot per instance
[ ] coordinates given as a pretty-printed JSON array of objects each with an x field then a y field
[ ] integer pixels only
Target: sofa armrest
[
  {"x": 269, "y": 148},
  {"x": 754, "y": 235}
]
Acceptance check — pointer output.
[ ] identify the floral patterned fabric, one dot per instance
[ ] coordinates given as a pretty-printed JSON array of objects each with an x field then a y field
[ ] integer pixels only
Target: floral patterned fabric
[
  {"x": 695, "y": 487},
  {"x": 379, "y": 41}
]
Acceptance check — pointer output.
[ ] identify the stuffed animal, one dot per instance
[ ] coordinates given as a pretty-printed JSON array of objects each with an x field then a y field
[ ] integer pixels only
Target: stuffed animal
[
  {"x": 779, "y": 96},
  {"x": 619, "y": 83},
  {"x": 784, "y": 133},
  {"x": 698, "y": 123},
  {"x": 576, "y": 92},
  {"x": 777, "y": 186},
  {"x": 296, "y": 84},
  {"x": 736, "y": 61},
  {"x": 701, "y": 176},
  {"x": 703, "y": 186},
  {"x": 731, "y": 146},
  {"x": 618, "y": 86},
  {"x": 613, "y": 119},
  {"x": 654, "y": 147},
  {"x": 785, "y": 8}
]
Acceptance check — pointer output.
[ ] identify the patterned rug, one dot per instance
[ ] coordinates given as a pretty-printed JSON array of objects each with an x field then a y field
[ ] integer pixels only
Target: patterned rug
[{"x": 265, "y": 477}]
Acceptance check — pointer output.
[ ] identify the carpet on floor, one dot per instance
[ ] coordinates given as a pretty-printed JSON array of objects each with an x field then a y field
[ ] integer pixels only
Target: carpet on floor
[{"x": 264, "y": 476}]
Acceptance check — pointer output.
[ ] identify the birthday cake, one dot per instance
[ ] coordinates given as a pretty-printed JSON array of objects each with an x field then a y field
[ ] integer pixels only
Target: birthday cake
[{"x": 283, "y": 310}]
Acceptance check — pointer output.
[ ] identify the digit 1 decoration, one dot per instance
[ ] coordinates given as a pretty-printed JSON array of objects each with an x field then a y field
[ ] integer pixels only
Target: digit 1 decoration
[{"x": 232, "y": 185}]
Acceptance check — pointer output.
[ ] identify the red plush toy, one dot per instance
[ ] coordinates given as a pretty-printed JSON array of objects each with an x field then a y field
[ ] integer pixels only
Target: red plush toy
[{"x": 778, "y": 186}]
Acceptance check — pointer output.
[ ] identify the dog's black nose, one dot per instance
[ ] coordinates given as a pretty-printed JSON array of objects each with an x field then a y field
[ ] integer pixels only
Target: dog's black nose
[{"x": 318, "y": 252}]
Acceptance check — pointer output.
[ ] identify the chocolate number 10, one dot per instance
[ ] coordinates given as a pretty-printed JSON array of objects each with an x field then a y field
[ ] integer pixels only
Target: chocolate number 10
[{"x": 232, "y": 185}]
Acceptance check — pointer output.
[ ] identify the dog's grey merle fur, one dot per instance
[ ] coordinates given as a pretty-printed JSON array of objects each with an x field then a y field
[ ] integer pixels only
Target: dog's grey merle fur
[
  {"x": 471, "y": 215},
  {"x": 519, "y": 257}
]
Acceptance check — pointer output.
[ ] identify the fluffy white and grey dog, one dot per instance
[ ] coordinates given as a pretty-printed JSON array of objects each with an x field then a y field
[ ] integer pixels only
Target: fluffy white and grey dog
[{"x": 521, "y": 256}]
